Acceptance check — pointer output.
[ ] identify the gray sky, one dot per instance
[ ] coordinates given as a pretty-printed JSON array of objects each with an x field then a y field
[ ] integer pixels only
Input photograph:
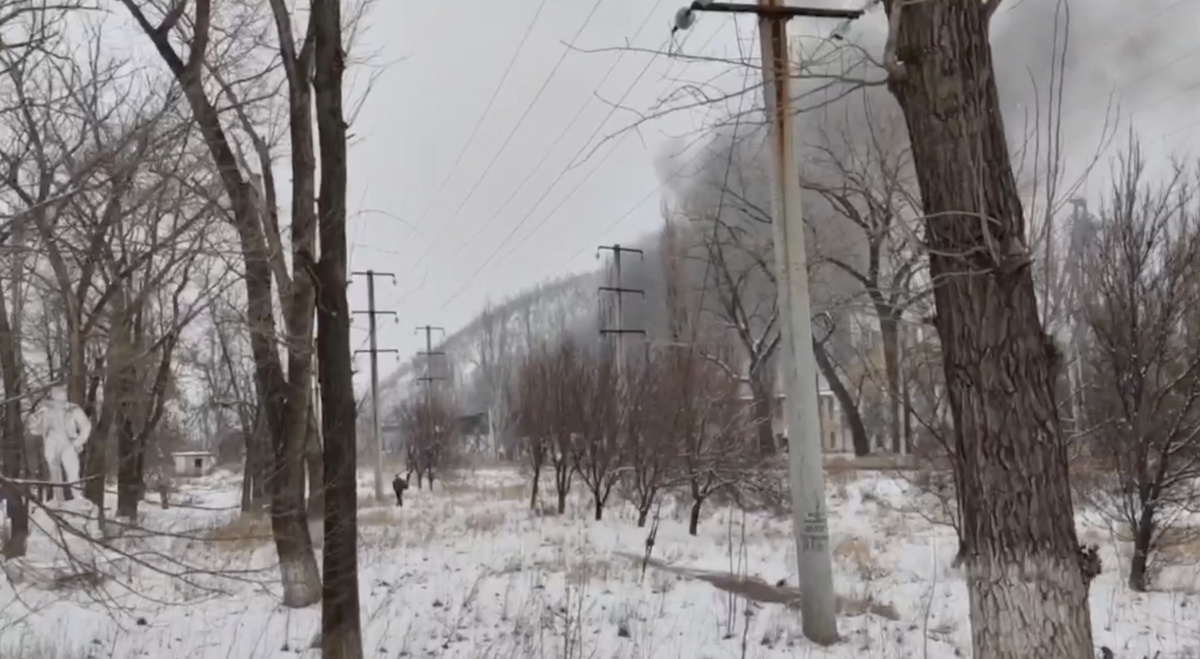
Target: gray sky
[{"x": 422, "y": 110}]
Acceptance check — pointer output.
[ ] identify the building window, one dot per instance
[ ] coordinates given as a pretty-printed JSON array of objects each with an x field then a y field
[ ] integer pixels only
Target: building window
[{"x": 198, "y": 463}]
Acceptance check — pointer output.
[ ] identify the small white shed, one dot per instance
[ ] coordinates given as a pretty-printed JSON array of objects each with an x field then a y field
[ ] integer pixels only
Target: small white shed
[{"x": 194, "y": 463}]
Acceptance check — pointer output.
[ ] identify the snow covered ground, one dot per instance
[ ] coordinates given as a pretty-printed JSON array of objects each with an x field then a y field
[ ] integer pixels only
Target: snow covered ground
[{"x": 469, "y": 571}]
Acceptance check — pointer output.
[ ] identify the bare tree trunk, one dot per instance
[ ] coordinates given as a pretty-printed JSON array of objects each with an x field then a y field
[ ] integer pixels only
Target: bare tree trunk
[
  {"x": 314, "y": 461},
  {"x": 129, "y": 450},
  {"x": 247, "y": 481},
  {"x": 858, "y": 431},
  {"x": 341, "y": 626},
  {"x": 1142, "y": 537},
  {"x": 127, "y": 490},
  {"x": 891, "y": 365},
  {"x": 537, "y": 480},
  {"x": 12, "y": 449},
  {"x": 694, "y": 516},
  {"x": 1028, "y": 587},
  {"x": 763, "y": 413},
  {"x": 562, "y": 484}
]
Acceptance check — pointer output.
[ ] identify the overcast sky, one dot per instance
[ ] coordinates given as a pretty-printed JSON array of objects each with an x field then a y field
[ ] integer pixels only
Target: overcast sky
[{"x": 497, "y": 222}]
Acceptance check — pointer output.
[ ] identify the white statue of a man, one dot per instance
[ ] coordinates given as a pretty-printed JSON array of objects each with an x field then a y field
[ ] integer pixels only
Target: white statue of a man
[{"x": 65, "y": 429}]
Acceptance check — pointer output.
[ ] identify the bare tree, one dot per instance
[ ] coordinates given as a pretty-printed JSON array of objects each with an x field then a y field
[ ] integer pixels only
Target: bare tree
[
  {"x": 494, "y": 360},
  {"x": 285, "y": 398},
  {"x": 427, "y": 422},
  {"x": 732, "y": 230},
  {"x": 866, "y": 188},
  {"x": 598, "y": 411},
  {"x": 1143, "y": 367},
  {"x": 706, "y": 424},
  {"x": 647, "y": 452},
  {"x": 1000, "y": 366},
  {"x": 532, "y": 410}
]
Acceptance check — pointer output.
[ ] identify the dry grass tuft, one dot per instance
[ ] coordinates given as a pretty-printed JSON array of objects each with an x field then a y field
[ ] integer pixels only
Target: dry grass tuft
[
  {"x": 1179, "y": 545},
  {"x": 376, "y": 517},
  {"x": 849, "y": 606},
  {"x": 486, "y": 521},
  {"x": 27, "y": 646},
  {"x": 465, "y": 486},
  {"x": 581, "y": 572},
  {"x": 243, "y": 532},
  {"x": 857, "y": 553}
]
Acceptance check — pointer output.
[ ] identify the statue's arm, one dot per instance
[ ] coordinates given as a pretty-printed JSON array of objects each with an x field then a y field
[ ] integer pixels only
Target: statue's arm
[{"x": 83, "y": 427}]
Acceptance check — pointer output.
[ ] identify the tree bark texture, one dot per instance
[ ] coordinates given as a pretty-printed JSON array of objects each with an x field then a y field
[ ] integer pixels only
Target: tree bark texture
[
  {"x": 1028, "y": 591},
  {"x": 341, "y": 625}
]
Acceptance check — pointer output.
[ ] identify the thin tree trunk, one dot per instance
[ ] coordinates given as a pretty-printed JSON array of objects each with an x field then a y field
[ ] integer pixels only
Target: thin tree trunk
[
  {"x": 124, "y": 376},
  {"x": 763, "y": 414},
  {"x": 644, "y": 512},
  {"x": 341, "y": 626},
  {"x": 314, "y": 460},
  {"x": 537, "y": 479},
  {"x": 890, "y": 335},
  {"x": 858, "y": 431},
  {"x": 12, "y": 451},
  {"x": 694, "y": 517},
  {"x": 127, "y": 491},
  {"x": 1027, "y": 585},
  {"x": 1142, "y": 537},
  {"x": 247, "y": 481}
]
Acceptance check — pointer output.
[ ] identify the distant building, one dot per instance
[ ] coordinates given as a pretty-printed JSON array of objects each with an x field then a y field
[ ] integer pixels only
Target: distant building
[
  {"x": 194, "y": 463},
  {"x": 835, "y": 437}
]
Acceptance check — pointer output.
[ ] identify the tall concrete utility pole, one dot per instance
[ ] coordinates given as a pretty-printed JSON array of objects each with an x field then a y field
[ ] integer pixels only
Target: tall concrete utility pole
[
  {"x": 806, "y": 470},
  {"x": 619, "y": 332},
  {"x": 374, "y": 350}
]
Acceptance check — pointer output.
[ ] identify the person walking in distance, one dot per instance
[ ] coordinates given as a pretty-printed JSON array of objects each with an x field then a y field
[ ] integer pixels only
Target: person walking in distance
[{"x": 399, "y": 485}]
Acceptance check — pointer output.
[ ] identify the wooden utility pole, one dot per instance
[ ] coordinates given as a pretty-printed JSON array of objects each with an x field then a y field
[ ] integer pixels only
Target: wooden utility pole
[
  {"x": 806, "y": 469},
  {"x": 374, "y": 350}
]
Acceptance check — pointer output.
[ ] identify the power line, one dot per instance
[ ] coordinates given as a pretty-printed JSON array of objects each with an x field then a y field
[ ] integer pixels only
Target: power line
[
  {"x": 507, "y": 140},
  {"x": 569, "y": 195},
  {"x": 557, "y": 179},
  {"x": 558, "y": 140},
  {"x": 486, "y": 109}
]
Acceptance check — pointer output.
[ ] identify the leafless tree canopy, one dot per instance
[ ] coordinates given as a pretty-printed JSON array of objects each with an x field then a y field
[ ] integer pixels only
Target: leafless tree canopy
[{"x": 1142, "y": 369}]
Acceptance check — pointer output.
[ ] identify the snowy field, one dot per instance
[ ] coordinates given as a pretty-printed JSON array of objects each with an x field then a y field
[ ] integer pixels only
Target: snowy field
[{"x": 469, "y": 571}]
